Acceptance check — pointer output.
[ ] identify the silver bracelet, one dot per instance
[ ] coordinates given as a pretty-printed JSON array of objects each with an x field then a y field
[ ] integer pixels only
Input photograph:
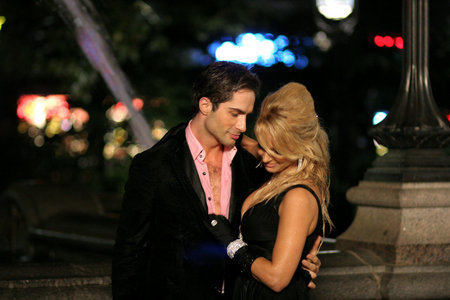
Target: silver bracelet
[{"x": 234, "y": 246}]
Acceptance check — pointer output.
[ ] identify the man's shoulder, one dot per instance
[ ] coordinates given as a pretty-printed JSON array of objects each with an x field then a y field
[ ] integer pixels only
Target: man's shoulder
[{"x": 169, "y": 144}]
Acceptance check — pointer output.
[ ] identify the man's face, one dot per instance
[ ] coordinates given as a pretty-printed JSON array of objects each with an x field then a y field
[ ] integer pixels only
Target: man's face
[{"x": 228, "y": 121}]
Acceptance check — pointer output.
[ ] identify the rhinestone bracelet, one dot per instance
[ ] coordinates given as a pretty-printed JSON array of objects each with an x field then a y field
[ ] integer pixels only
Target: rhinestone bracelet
[{"x": 234, "y": 246}]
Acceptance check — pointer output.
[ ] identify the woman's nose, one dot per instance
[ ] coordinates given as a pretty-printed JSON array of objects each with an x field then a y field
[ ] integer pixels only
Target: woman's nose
[{"x": 265, "y": 157}]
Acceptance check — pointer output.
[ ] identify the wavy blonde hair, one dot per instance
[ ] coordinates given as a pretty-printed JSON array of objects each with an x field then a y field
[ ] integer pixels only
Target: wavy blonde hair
[{"x": 288, "y": 127}]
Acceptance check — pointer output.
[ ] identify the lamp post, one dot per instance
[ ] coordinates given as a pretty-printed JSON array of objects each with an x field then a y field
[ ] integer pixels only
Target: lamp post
[
  {"x": 402, "y": 203},
  {"x": 414, "y": 120}
]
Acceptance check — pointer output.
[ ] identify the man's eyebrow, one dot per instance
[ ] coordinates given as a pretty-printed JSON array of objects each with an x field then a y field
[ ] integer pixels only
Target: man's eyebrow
[{"x": 238, "y": 110}]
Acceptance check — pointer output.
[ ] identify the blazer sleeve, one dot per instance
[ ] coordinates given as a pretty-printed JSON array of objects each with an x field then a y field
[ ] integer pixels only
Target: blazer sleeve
[{"x": 128, "y": 262}]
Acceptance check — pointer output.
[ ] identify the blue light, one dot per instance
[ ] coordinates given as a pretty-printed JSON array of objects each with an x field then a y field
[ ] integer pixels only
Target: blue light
[
  {"x": 378, "y": 117},
  {"x": 281, "y": 41},
  {"x": 268, "y": 36},
  {"x": 200, "y": 57},
  {"x": 288, "y": 58},
  {"x": 259, "y": 37},
  {"x": 308, "y": 42},
  {"x": 212, "y": 48},
  {"x": 259, "y": 48},
  {"x": 301, "y": 62}
]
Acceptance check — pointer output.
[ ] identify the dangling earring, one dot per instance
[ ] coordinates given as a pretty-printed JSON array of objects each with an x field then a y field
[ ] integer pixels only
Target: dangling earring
[
  {"x": 259, "y": 165},
  {"x": 300, "y": 163}
]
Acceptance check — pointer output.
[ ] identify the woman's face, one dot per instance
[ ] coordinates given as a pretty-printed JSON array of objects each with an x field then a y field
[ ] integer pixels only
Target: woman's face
[{"x": 273, "y": 163}]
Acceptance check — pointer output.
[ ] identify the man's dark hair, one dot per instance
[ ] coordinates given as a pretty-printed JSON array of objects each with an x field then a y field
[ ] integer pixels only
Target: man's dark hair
[{"x": 220, "y": 80}]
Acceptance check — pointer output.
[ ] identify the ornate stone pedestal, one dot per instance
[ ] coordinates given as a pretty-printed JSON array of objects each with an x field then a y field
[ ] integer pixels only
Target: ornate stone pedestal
[
  {"x": 404, "y": 218},
  {"x": 404, "y": 223}
]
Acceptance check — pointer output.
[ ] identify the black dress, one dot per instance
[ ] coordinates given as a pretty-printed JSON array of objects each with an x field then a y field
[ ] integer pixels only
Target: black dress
[{"x": 259, "y": 229}]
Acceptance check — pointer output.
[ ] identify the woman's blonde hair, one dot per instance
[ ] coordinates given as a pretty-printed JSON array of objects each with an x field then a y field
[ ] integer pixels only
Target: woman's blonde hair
[{"x": 288, "y": 127}]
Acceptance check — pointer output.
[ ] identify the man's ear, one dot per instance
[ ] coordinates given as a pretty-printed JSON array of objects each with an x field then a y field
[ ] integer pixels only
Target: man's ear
[{"x": 205, "y": 105}]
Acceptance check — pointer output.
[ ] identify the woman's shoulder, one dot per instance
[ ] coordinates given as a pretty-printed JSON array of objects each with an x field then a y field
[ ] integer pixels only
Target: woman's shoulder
[{"x": 299, "y": 196}]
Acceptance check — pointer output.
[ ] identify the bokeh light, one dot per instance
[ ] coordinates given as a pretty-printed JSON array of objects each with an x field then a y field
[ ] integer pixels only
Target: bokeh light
[
  {"x": 380, "y": 149},
  {"x": 378, "y": 117},
  {"x": 388, "y": 41},
  {"x": 46, "y": 116},
  {"x": 260, "y": 49},
  {"x": 2, "y": 21},
  {"x": 119, "y": 113},
  {"x": 335, "y": 9}
]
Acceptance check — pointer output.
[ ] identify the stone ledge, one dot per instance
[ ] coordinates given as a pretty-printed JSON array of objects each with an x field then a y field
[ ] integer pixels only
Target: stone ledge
[
  {"x": 361, "y": 274},
  {"x": 56, "y": 281}
]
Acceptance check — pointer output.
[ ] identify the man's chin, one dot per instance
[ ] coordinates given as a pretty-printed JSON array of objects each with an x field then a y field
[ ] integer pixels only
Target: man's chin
[{"x": 229, "y": 143}]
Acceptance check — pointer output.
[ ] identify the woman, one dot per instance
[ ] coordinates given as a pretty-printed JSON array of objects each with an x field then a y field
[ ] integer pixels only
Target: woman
[{"x": 281, "y": 219}]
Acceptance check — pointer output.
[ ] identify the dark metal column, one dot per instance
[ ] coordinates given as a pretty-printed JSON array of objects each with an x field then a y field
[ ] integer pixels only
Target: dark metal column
[{"x": 414, "y": 120}]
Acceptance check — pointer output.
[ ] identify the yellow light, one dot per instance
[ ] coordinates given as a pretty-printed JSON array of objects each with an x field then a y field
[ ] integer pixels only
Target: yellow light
[
  {"x": 22, "y": 127},
  {"x": 108, "y": 151},
  {"x": 2, "y": 21},
  {"x": 380, "y": 149}
]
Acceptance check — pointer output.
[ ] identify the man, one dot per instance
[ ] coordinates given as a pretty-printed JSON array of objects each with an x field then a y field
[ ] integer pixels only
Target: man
[{"x": 163, "y": 249}]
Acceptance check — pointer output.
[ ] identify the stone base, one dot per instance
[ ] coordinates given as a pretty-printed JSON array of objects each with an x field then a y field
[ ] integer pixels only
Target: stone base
[
  {"x": 403, "y": 254},
  {"x": 361, "y": 274},
  {"x": 404, "y": 223}
]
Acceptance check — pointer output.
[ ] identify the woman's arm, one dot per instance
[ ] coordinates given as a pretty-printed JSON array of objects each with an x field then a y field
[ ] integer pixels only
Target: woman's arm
[
  {"x": 251, "y": 146},
  {"x": 298, "y": 217}
]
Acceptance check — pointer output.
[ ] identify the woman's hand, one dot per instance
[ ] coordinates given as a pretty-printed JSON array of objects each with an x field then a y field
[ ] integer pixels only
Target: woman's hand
[{"x": 312, "y": 262}]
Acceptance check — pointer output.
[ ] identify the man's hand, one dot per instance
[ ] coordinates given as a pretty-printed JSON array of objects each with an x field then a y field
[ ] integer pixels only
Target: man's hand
[
  {"x": 220, "y": 228},
  {"x": 312, "y": 262}
]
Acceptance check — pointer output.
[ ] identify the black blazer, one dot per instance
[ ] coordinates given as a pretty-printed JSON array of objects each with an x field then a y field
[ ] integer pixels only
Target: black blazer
[{"x": 163, "y": 249}]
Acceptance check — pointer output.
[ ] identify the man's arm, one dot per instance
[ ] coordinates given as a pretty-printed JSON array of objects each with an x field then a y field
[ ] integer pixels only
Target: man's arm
[
  {"x": 129, "y": 263},
  {"x": 312, "y": 262}
]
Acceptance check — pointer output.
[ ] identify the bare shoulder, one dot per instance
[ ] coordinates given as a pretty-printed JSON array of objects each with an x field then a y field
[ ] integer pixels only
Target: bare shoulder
[{"x": 300, "y": 200}]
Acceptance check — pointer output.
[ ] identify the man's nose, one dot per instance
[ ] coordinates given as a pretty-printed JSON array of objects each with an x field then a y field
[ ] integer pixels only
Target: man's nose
[{"x": 241, "y": 124}]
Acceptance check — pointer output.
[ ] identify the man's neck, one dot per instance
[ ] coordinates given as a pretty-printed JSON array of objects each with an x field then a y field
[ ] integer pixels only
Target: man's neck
[{"x": 210, "y": 145}]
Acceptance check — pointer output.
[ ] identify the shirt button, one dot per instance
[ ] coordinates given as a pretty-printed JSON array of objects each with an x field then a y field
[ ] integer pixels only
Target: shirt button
[
  {"x": 209, "y": 198},
  {"x": 204, "y": 173}
]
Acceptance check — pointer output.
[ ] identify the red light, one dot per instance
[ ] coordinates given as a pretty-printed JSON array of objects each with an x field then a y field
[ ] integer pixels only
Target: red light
[
  {"x": 399, "y": 42},
  {"x": 138, "y": 103},
  {"x": 388, "y": 41},
  {"x": 378, "y": 40},
  {"x": 448, "y": 117}
]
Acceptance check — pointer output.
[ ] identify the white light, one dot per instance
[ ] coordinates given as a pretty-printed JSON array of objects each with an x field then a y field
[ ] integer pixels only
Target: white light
[
  {"x": 225, "y": 51},
  {"x": 322, "y": 41},
  {"x": 267, "y": 48},
  {"x": 335, "y": 9},
  {"x": 378, "y": 117}
]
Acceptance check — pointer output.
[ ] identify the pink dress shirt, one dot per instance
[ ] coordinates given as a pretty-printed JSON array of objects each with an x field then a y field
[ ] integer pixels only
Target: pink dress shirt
[{"x": 199, "y": 155}]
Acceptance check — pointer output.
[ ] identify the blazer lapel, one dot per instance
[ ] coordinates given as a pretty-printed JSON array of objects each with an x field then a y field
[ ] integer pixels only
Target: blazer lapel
[
  {"x": 186, "y": 173},
  {"x": 238, "y": 183}
]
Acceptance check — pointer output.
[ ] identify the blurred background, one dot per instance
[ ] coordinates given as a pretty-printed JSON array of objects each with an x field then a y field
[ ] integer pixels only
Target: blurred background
[{"x": 61, "y": 124}]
